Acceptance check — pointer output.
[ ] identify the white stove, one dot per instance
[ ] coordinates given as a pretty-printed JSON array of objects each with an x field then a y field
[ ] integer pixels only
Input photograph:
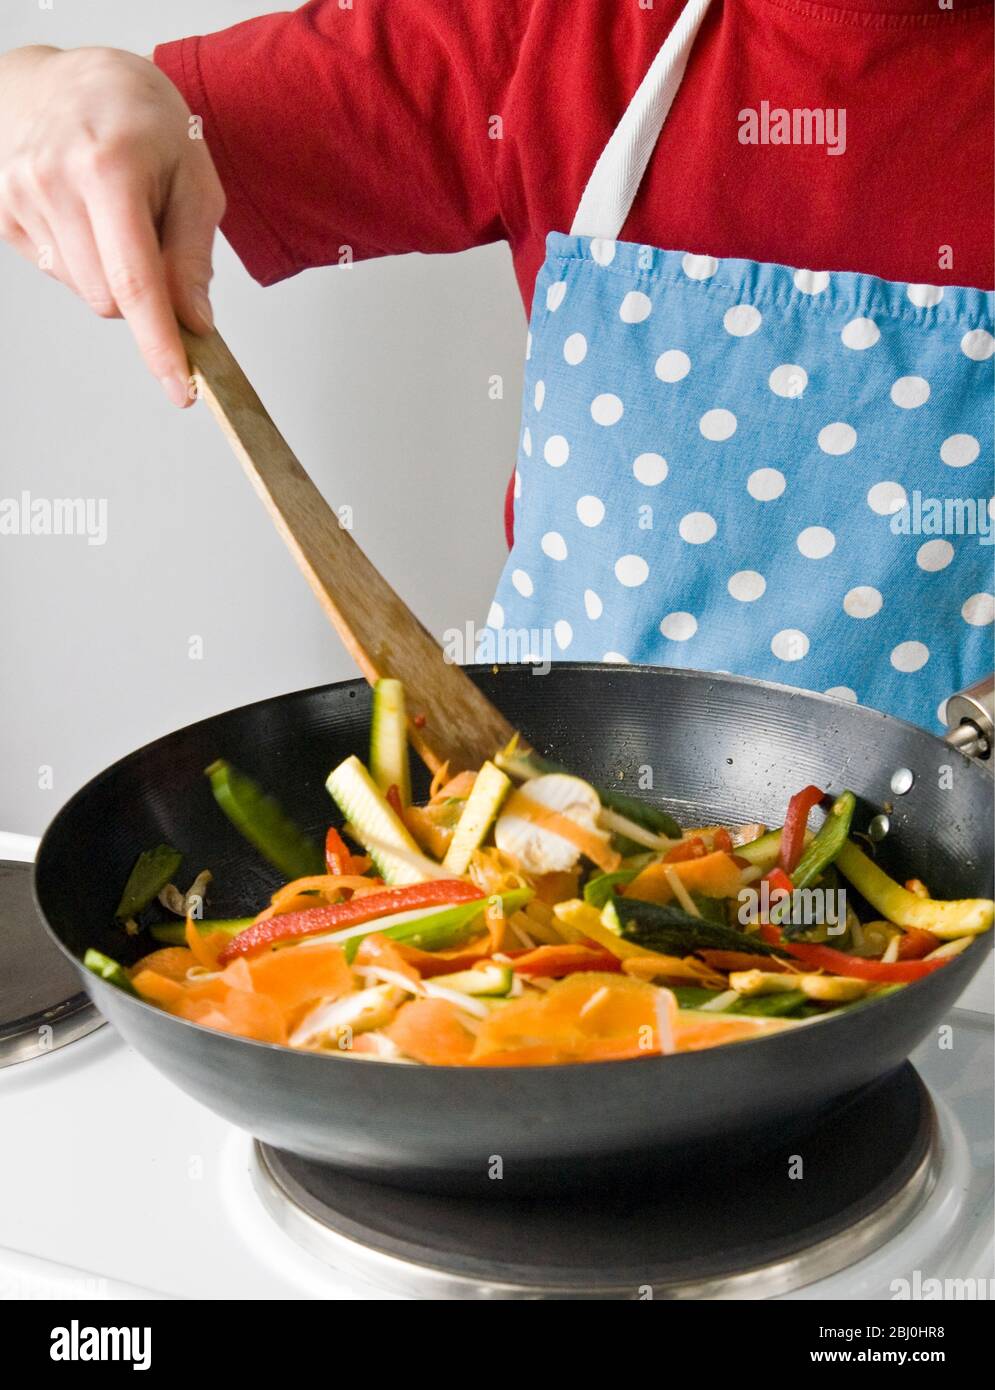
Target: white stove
[{"x": 117, "y": 1185}]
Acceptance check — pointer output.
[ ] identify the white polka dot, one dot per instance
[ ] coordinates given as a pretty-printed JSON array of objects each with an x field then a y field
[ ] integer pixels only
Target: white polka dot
[
  {"x": 697, "y": 528},
  {"x": 635, "y": 307},
  {"x": 606, "y": 409},
  {"x": 616, "y": 658},
  {"x": 602, "y": 251},
  {"x": 672, "y": 365},
  {"x": 495, "y": 615},
  {"x": 816, "y": 542},
  {"x": 790, "y": 644},
  {"x": 742, "y": 320},
  {"x": 934, "y": 555},
  {"x": 523, "y": 583},
  {"x": 590, "y": 510},
  {"x": 539, "y": 395},
  {"x": 556, "y": 451},
  {"x": 811, "y": 281},
  {"x": 788, "y": 380},
  {"x": 631, "y": 570},
  {"x": 699, "y": 267},
  {"x": 765, "y": 484},
  {"x": 575, "y": 349},
  {"x": 528, "y": 346},
  {"x": 843, "y": 692},
  {"x": 518, "y": 484},
  {"x": 678, "y": 627},
  {"x": 650, "y": 469},
  {"x": 555, "y": 295},
  {"x": 910, "y": 392},
  {"x": 924, "y": 296},
  {"x": 563, "y": 633},
  {"x": 979, "y": 610},
  {"x": 958, "y": 450},
  {"x": 909, "y": 656},
  {"x": 554, "y": 545},
  {"x": 837, "y": 438},
  {"x": 862, "y": 602},
  {"x": 747, "y": 585},
  {"x": 593, "y": 606},
  {"x": 860, "y": 334},
  {"x": 718, "y": 425},
  {"x": 886, "y": 498},
  {"x": 527, "y": 442},
  {"x": 978, "y": 345}
]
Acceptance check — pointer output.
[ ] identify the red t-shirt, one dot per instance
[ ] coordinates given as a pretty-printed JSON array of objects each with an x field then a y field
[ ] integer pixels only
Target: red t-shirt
[{"x": 436, "y": 125}]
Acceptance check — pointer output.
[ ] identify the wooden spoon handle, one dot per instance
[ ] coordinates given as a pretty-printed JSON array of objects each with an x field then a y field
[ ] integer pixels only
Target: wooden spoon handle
[{"x": 383, "y": 636}]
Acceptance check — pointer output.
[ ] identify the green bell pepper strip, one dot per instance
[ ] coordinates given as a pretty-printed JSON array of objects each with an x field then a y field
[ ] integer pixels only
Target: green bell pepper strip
[
  {"x": 153, "y": 869},
  {"x": 600, "y": 888},
  {"x": 174, "y": 933},
  {"x": 263, "y": 823},
  {"x": 947, "y": 920},
  {"x": 441, "y": 930},
  {"x": 109, "y": 970},
  {"x": 825, "y": 848}
]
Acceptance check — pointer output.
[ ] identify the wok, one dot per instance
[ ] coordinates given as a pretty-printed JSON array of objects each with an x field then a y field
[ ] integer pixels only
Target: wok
[{"x": 721, "y": 749}]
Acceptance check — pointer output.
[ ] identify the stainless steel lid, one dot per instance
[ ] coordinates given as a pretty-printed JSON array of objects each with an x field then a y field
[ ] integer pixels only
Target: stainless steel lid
[
  {"x": 41, "y": 1004},
  {"x": 775, "y": 1224}
]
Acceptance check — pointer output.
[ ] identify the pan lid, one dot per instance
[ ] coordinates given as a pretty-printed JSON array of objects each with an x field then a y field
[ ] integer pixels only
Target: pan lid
[{"x": 41, "y": 1004}]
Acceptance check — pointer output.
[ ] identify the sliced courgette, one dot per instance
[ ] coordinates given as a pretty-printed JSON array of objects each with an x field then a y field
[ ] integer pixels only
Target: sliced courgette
[
  {"x": 489, "y": 790},
  {"x": 375, "y": 824},
  {"x": 389, "y": 761}
]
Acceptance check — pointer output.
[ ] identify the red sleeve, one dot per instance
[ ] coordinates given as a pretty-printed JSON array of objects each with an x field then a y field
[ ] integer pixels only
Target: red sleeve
[{"x": 362, "y": 131}]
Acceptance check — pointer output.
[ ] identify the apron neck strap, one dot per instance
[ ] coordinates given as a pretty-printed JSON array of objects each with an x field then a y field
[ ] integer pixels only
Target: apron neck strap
[{"x": 619, "y": 171}]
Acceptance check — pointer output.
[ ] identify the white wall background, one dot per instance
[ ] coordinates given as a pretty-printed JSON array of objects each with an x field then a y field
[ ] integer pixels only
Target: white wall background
[{"x": 377, "y": 375}]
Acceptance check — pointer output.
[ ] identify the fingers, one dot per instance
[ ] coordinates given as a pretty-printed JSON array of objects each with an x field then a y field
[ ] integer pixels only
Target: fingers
[
  {"x": 133, "y": 267},
  {"x": 194, "y": 209}
]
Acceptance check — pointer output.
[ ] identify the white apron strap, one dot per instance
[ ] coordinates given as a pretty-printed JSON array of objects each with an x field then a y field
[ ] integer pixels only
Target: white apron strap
[{"x": 619, "y": 171}]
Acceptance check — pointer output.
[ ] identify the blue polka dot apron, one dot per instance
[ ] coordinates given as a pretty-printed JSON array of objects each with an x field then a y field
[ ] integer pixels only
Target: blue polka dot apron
[{"x": 777, "y": 472}]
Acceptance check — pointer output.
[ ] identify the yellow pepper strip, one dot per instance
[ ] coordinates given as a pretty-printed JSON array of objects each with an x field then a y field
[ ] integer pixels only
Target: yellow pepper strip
[{"x": 947, "y": 920}]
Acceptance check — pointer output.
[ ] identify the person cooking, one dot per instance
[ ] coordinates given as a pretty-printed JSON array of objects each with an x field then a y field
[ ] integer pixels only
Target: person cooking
[{"x": 756, "y": 237}]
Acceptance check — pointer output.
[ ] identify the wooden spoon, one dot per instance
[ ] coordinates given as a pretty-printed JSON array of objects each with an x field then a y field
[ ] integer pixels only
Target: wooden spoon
[{"x": 449, "y": 719}]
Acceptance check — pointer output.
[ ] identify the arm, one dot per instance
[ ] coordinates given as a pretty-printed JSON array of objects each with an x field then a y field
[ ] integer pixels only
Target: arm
[{"x": 102, "y": 186}]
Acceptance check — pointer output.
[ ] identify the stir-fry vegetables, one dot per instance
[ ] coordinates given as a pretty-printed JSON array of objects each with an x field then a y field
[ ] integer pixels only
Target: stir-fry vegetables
[{"x": 520, "y": 916}]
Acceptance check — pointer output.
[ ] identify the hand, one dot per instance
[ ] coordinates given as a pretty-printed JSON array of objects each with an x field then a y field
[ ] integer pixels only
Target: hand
[{"x": 102, "y": 186}]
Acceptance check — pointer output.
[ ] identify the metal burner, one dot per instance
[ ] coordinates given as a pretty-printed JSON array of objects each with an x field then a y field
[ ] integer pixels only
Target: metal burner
[
  {"x": 721, "y": 1233},
  {"x": 41, "y": 1004}
]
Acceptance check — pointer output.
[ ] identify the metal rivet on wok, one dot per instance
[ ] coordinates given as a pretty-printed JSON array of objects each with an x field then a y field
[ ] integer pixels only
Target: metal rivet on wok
[
  {"x": 879, "y": 827},
  {"x": 901, "y": 780}
]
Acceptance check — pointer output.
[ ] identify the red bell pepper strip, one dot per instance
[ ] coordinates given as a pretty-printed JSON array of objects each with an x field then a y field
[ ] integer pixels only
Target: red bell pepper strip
[
  {"x": 550, "y": 962},
  {"x": 370, "y": 907},
  {"x": 916, "y": 943},
  {"x": 795, "y": 822},
  {"x": 393, "y": 798},
  {"x": 695, "y": 848},
  {"x": 338, "y": 858},
  {"x": 722, "y": 840},
  {"x": 839, "y": 963}
]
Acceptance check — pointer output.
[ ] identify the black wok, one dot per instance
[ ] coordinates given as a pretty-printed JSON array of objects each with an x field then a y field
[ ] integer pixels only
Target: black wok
[{"x": 721, "y": 749}]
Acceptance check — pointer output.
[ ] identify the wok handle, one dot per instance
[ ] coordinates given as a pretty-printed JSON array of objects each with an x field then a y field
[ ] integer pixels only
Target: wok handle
[
  {"x": 970, "y": 719},
  {"x": 451, "y": 720}
]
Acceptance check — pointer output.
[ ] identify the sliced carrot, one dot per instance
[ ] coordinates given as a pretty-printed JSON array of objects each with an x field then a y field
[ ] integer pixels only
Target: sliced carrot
[
  {"x": 715, "y": 875},
  {"x": 158, "y": 989},
  {"x": 377, "y": 949},
  {"x": 458, "y": 787},
  {"x": 430, "y": 963},
  {"x": 300, "y": 975},
  {"x": 557, "y": 887},
  {"x": 204, "y": 949},
  {"x": 430, "y": 1031},
  {"x": 328, "y": 886},
  {"x": 253, "y": 1015},
  {"x": 171, "y": 961},
  {"x": 696, "y": 1031}
]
